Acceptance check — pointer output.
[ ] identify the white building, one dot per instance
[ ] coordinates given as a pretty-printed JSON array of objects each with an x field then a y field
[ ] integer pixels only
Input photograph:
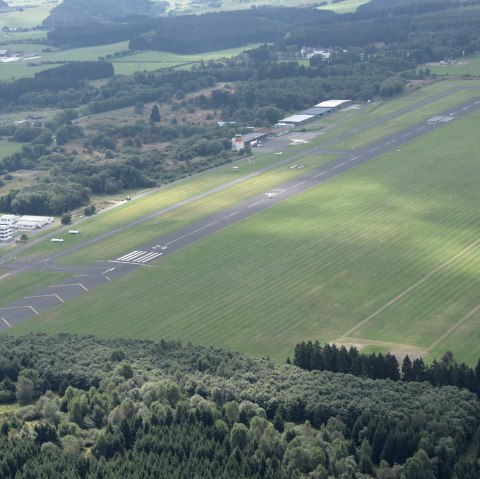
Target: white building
[
  {"x": 9, "y": 220},
  {"x": 6, "y": 233},
  {"x": 32, "y": 222},
  {"x": 334, "y": 104}
]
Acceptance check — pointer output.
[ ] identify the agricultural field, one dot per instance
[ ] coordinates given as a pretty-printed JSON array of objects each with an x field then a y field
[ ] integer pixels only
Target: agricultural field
[
  {"x": 125, "y": 65},
  {"x": 192, "y": 6},
  {"x": 26, "y": 18},
  {"x": 316, "y": 266},
  {"x": 156, "y": 60}
]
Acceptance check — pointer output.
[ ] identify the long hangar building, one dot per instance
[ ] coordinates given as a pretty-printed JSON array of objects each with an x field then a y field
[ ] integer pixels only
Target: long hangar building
[{"x": 311, "y": 114}]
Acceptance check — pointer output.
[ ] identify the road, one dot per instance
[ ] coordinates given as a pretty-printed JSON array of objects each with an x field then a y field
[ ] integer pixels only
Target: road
[{"x": 85, "y": 278}]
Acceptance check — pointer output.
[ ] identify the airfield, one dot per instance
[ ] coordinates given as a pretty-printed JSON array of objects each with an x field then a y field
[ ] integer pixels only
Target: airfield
[{"x": 81, "y": 300}]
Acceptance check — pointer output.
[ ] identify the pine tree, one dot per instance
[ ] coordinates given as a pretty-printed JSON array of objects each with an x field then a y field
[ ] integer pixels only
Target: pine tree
[{"x": 155, "y": 115}]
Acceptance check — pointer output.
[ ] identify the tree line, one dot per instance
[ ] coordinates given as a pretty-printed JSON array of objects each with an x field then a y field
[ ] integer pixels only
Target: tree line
[
  {"x": 446, "y": 372},
  {"x": 91, "y": 408}
]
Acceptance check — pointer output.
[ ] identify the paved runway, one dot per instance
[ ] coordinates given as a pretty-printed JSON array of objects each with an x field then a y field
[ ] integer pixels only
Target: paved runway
[{"x": 85, "y": 278}]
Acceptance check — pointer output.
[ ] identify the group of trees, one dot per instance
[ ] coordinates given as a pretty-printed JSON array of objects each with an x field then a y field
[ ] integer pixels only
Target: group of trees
[
  {"x": 160, "y": 410},
  {"x": 312, "y": 356}
]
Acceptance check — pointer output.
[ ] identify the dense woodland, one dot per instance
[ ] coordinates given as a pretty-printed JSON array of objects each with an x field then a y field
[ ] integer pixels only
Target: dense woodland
[
  {"x": 156, "y": 410},
  {"x": 311, "y": 356}
]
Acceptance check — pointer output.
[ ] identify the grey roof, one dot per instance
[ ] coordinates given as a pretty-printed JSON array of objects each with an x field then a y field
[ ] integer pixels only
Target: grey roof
[{"x": 316, "y": 111}]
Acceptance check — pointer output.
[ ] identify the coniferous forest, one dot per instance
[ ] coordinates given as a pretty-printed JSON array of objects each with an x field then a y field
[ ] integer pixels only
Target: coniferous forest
[{"x": 94, "y": 408}]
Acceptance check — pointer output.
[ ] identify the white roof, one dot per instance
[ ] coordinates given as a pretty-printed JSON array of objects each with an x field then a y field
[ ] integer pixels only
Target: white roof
[
  {"x": 36, "y": 218},
  {"x": 331, "y": 103},
  {"x": 297, "y": 118}
]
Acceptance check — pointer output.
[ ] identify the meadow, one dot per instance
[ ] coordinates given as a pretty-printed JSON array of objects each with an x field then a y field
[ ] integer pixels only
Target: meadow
[
  {"x": 8, "y": 147},
  {"x": 315, "y": 266}
]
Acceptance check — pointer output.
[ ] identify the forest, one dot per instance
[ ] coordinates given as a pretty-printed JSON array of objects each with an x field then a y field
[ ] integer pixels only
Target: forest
[
  {"x": 173, "y": 411},
  {"x": 311, "y": 356}
]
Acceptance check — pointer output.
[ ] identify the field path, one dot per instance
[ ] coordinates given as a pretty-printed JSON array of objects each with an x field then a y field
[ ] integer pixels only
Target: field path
[{"x": 408, "y": 290}]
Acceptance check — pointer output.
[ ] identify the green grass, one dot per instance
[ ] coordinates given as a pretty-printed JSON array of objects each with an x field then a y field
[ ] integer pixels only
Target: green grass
[
  {"x": 366, "y": 137},
  {"x": 17, "y": 285},
  {"x": 470, "y": 65},
  {"x": 316, "y": 265},
  {"x": 156, "y": 60},
  {"x": 145, "y": 61},
  {"x": 8, "y": 147},
  {"x": 6, "y": 38},
  {"x": 29, "y": 17},
  {"x": 122, "y": 242},
  {"x": 346, "y": 6}
]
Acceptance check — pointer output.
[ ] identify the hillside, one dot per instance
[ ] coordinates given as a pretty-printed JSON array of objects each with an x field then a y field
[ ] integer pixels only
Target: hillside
[
  {"x": 172, "y": 411},
  {"x": 78, "y": 12}
]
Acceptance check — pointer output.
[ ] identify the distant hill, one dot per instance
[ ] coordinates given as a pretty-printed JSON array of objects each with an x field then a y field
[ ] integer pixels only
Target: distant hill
[
  {"x": 3, "y": 5},
  {"x": 79, "y": 12}
]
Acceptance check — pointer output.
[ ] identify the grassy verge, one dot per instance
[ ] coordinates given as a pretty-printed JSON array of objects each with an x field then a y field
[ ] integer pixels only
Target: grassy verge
[{"x": 17, "y": 285}]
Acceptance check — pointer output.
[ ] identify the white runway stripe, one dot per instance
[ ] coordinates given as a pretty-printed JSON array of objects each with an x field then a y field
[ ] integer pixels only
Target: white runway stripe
[
  {"x": 130, "y": 255},
  {"x": 138, "y": 256}
]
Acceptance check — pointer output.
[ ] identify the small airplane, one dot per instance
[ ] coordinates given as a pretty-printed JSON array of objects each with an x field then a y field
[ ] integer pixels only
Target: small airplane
[{"x": 270, "y": 195}]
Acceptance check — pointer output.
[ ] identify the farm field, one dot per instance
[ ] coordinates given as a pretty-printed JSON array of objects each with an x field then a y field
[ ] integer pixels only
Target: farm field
[
  {"x": 156, "y": 60},
  {"x": 191, "y": 6},
  {"x": 28, "y": 18},
  {"x": 315, "y": 266},
  {"x": 127, "y": 65}
]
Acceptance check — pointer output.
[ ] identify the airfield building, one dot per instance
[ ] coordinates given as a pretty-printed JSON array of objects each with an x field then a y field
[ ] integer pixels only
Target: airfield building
[
  {"x": 334, "y": 104},
  {"x": 6, "y": 233},
  {"x": 298, "y": 120}
]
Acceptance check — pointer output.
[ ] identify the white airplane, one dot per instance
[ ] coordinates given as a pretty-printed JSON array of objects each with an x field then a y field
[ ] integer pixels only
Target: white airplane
[{"x": 270, "y": 195}]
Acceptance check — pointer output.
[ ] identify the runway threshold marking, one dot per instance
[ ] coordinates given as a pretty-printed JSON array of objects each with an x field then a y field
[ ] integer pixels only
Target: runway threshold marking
[
  {"x": 6, "y": 322},
  {"x": 410, "y": 288},
  {"x": 320, "y": 174},
  {"x": 45, "y": 296},
  {"x": 72, "y": 284}
]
